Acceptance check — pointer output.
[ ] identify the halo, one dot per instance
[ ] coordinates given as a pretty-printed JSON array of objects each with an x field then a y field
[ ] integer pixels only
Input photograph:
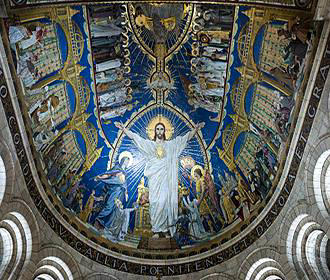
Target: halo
[
  {"x": 192, "y": 173},
  {"x": 187, "y": 162},
  {"x": 128, "y": 155},
  {"x": 160, "y": 119}
]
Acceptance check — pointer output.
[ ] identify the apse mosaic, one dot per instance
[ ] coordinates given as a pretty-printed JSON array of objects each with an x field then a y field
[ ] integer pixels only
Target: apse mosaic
[
  {"x": 285, "y": 3},
  {"x": 161, "y": 126}
]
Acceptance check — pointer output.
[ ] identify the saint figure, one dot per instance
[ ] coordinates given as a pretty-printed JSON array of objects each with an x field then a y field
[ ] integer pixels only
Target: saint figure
[
  {"x": 116, "y": 189},
  {"x": 162, "y": 164}
]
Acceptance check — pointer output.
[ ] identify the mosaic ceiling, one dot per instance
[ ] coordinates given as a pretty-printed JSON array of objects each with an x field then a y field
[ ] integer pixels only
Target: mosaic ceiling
[{"x": 161, "y": 128}]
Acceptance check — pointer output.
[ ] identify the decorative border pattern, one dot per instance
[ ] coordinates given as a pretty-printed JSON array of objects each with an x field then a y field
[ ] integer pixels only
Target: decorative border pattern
[
  {"x": 296, "y": 4},
  {"x": 179, "y": 268}
]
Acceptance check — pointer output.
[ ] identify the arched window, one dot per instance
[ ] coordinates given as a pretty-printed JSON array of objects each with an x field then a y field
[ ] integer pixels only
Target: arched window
[
  {"x": 2, "y": 179},
  {"x": 321, "y": 183},
  {"x": 6, "y": 250},
  {"x": 16, "y": 245},
  {"x": 54, "y": 268},
  {"x": 44, "y": 277},
  {"x": 315, "y": 259},
  {"x": 263, "y": 269},
  {"x": 306, "y": 248}
]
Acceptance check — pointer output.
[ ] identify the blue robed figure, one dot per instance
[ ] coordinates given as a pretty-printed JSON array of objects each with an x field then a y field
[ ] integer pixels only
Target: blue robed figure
[{"x": 115, "y": 187}]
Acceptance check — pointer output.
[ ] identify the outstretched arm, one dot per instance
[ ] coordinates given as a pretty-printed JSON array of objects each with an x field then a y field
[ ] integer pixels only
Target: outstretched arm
[
  {"x": 127, "y": 132},
  {"x": 143, "y": 145},
  {"x": 195, "y": 130},
  {"x": 181, "y": 141}
]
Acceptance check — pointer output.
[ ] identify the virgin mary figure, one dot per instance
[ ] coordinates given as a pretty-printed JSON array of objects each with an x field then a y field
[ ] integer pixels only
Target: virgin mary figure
[{"x": 115, "y": 187}]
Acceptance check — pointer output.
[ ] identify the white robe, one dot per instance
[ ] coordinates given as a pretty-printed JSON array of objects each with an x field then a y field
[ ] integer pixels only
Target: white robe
[
  {"x": 112, "y": 113},
  {"x": 110, "y": 64},
  {"x": 162, "y": 176},
  {"x": 112, "y": 98},
  {"x": 24, "y": 44},
  {"x": 107, "y": 76},
  {"x": 17, "y": 33},
  {"x": 105, "y": 30}
]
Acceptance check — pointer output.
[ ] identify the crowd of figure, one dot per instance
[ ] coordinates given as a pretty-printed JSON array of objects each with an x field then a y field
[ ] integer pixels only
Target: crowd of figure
[
  {"x": 210, "y": 64},
  {"x": 283, "y": 110},
  {"x": 207, "y": 209},
  {"x": 108, "y": 54},
  {"x": 35, "y": 51},
  {"x": 199, "y": 213},
  {"x": 28, "y": 44},
  {"x": 62, "y": 161},
  {"x": 215, "y": 17},
  {"x": 203, "y": 210},
  {"x": 47, "y": 107},
  {"x": 240, "y": 194},
  {"x": 299, "y": 34}
]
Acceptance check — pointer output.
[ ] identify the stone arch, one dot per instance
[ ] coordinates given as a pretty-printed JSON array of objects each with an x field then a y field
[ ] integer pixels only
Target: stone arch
[
  {"x": 16, "y": 234},
  {"x": 51, "y": 271},
  {"x": 296, "y": 219},
  {"x": 301, "y": 208},
  {"x": 321, "y": 183},
  {"x": 317, "y": 182},
  {"x": 324, "y": 249},
  {"x": 20, "y": 214},
  {"x": 316, "y": 245},
  {"x": 100, "y": 276},
  {"x": 217, "y": 276},
  {"x": 7, "y": 170},
  {"x": 25, "y": 230},
  {"x": 2, "y": 179},
  {"x": 261, "y": 263},
  {"x": 306, "y": 242},
  {"x": 52, "y": 260},
  {"x": 6, "y": 250},
  {"x": 44, "y": 276},
  {"x": 264, "y": 268},
  {"x": 22, "y": 208},
  {"x": 18, "y": 243},
  {"x": 306, "y": 228}
]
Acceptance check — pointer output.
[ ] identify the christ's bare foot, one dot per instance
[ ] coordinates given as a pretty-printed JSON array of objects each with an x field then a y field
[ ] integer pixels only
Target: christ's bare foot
[{"x": 156, "y": 235}]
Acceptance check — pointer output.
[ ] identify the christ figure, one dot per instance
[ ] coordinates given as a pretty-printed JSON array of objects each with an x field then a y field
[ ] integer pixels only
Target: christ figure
[{"x": 161, "y": 169}]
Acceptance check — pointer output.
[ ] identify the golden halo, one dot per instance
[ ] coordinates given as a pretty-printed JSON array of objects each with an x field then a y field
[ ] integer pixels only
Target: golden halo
[
  {"x": 128, "y": 155},
  {"x": 160, "y": 119},
  {"x": 187, "y": 162},
  {"x": 192, "y": 173}
]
